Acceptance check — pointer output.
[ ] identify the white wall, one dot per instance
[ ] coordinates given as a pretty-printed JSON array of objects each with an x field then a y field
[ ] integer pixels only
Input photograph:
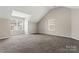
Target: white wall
[
  {"x": 32, "y": 27},
  {"x": 4, "y": 28},
  {"x": 75, "y": 24},
  {"x": 27, "y": 25},
  {"x": 62, "y": 22}
]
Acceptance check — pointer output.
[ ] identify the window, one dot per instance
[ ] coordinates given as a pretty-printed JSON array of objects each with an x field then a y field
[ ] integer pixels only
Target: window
[{"x": 51, "y": 24}]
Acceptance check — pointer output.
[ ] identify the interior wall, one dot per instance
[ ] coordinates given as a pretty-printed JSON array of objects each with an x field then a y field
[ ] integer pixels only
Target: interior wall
[
  {"x": 26, "y": 24},
  {"x": 4, "y": 28},
  {"x": 62, "y": 22},
  {"x": 32, "y": 27},
  {"x": 75, "y": 24}
]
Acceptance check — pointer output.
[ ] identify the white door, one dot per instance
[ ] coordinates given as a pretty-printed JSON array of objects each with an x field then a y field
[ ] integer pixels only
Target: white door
[{"x": 17, "y": 25}]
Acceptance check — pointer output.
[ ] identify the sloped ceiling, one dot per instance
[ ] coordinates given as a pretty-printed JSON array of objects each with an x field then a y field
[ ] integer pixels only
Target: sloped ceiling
[{"x": 37, "y": 12}]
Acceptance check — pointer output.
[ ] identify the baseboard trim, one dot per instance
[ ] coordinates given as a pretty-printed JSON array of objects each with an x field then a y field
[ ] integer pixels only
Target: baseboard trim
[
  {"x": 74, "y": 38},
  {"x": 60, "y": 36},
  {"x": 4, "y": 38}
]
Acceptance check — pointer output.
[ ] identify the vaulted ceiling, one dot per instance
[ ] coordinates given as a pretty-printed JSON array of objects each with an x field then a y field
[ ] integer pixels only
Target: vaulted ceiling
[{"x": 36, "y": 12}]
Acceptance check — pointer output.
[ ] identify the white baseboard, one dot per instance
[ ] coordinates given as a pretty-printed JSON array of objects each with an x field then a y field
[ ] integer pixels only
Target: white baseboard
[
  {"x": 58, "y": 35},
  {"x": 4, "y": 38},
  {"x": 75, "y": 38}
]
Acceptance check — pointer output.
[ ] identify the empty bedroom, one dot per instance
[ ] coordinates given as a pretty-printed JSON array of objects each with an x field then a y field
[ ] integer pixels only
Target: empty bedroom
[{"x": 39, "y": 29}]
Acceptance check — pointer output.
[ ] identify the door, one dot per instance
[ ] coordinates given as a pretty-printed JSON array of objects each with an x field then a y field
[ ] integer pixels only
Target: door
[{"x": 17, "y": 26}]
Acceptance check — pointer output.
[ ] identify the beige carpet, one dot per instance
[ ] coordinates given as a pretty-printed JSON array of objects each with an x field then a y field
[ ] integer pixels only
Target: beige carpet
[{"x": 38, "y": 43}]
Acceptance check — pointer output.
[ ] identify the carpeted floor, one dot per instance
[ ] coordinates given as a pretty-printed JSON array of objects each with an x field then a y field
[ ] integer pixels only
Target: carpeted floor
[{"x": 38, "y": 43}]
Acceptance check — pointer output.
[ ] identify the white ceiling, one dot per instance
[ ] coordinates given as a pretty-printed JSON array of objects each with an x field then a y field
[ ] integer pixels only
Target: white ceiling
[
  {"x": 20, "y": 14},
  {"x": 37, "y": 12}
]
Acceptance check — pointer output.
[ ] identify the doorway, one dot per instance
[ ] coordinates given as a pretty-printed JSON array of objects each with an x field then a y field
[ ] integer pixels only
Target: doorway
[{"x": 17, "y": 25}]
